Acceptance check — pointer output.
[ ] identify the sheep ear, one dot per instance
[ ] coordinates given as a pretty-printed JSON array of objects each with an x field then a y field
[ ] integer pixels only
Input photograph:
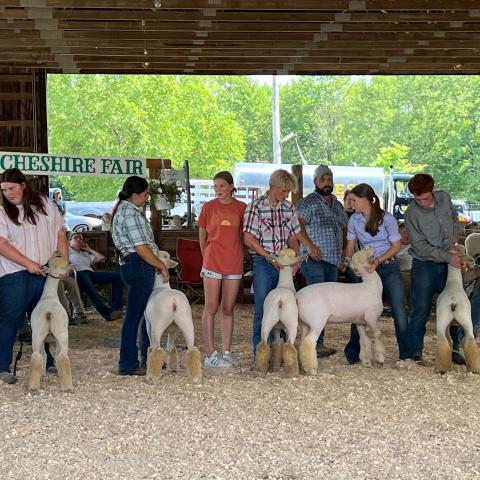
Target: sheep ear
[{"x": 171, "y": 264}]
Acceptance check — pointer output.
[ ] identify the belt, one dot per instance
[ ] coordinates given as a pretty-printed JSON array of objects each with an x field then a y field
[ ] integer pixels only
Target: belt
[{"x": 390, "y": 260}]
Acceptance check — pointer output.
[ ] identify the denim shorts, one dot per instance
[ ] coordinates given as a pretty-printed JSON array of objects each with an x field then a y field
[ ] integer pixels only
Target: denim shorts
[{"x": 218, "y": 276}]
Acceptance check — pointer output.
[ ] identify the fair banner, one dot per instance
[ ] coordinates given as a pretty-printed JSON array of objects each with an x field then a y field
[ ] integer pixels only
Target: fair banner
[{"x": 66, "y": 165}]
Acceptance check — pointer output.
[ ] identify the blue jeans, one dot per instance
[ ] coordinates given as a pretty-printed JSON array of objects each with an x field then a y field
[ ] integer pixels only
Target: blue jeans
[
  {"x": 319, "y": 272},
  {"x": 87, "y": 280},
  {"x": 139, "y": 276},
  {"x": 392, "y": 282},
  {"x": 265, "y": 279},
  {"x": 19, "y": 293},
  {"x": 428, "y": 278}
]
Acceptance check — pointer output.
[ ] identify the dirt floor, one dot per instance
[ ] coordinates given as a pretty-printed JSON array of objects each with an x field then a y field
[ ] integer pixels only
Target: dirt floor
[{"x": 348, "y": 422}]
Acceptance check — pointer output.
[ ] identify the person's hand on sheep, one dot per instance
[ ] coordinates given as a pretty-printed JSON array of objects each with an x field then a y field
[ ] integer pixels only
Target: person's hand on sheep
[
  {"x": 35, "y": 268},
  {"x": 164, "y": 271},
  {"x": 314, "y": 252}
]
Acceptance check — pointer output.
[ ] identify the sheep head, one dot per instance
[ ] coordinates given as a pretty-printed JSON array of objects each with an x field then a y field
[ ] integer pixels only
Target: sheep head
[
  {"x": 287, "y": 257},
  {"x": 57, "y": 265},
  {"x": 467, "y": 260},
  {"x": 165, "y": 258},
  {"x": 361, "y": 259},
  {"x": 472, "y": 245}
]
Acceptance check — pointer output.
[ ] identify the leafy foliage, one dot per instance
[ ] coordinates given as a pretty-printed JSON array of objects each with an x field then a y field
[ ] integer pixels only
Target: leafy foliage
[{"x": 416, "y": 123}]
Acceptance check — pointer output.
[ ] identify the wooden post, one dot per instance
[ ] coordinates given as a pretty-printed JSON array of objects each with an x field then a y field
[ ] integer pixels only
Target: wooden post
[
  {"x": 297, "y": 171},
  {"x": 154, "y": 166}
]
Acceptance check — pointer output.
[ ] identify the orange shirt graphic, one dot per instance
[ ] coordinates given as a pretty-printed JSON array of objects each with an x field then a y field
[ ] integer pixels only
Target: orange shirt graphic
[{"x": 223, "y": 251}]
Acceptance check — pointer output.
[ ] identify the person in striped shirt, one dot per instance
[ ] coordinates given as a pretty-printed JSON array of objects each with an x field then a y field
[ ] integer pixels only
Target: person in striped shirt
[
  {"x": 270, "y": 225},
  {"x": 31, "y": 229}
]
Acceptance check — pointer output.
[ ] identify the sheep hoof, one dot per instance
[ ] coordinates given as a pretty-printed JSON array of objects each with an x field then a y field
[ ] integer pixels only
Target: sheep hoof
[
  {"x": 308, "y": 355},
  {"x": 310, "y": 371},
  {"x": 67, "y": 390},
  {"x": 366, "y": 363},
  {"x": 34, "y": 391}
]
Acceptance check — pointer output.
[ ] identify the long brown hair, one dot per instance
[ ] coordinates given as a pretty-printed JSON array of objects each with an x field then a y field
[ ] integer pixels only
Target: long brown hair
[
  {"x": 33, "y": 201},
  {"x": 364, "y": 190}
]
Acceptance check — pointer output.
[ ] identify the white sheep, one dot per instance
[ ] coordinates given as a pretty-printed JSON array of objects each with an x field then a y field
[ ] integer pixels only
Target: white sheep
[
  {"x": 453, "y": 304},
  {"x": 49, "y": 316},
  {"x": 169, "y": 311},
  {"x": 333, "y": 302},
  {"x": 280, "y": 309}
]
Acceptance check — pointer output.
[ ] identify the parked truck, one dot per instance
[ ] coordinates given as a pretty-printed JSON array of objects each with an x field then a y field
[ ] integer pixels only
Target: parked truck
[{"x": 391, "y": 188}]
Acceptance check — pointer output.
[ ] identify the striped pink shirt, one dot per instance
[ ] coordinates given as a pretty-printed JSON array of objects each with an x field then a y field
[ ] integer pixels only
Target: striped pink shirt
[{"x": 37, "y": 242}]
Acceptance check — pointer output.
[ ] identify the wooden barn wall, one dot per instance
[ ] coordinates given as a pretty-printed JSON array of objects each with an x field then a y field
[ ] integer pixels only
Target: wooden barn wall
[{"x": 23, "y": 115}]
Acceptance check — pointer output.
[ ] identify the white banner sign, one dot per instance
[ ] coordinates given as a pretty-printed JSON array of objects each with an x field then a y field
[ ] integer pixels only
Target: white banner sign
[{"x": 51, "y": 164}]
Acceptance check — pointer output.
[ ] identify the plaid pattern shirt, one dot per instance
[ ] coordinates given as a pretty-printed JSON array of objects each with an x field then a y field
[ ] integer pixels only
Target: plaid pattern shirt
[
  {"x": 272, "y": 226},
  {"x": 324, "y": 224},
  {"x": 131, "y": 228}
]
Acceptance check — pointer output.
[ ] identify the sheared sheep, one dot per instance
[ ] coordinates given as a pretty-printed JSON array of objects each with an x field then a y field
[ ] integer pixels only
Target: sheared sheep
[
  {"x": 49, "y": 316},
  {"x": 453, "y": 304},
  {"x": 280, "y": 308},
  {"x": 169, "y": 311},
  {"x": 333, "y": 302}
]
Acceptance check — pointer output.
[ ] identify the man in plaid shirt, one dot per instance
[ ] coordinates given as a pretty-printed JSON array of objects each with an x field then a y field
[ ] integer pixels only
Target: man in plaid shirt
[
  {"x": 323, "y": 221},
  {"x": 270, "y": 225}
]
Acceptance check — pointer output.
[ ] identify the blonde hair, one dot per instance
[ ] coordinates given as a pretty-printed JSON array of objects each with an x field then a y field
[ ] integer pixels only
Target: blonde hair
[{"x": 283, "y": 179}]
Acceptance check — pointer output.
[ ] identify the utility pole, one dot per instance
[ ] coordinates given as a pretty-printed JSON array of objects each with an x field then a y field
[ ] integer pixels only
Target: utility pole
[{"x": 277, "y": 148}]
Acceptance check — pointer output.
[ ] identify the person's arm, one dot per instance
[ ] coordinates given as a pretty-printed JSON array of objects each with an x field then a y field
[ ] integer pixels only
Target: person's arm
[
  {"x": 9, "y": 251},
  {"x": 253, "y": 244},
  {"x": 391, "y": 252},
  {"x": 349, "y": 249},
  {"x": 98, "y": 257},
  {"x": 202, "y": 239},
  {"x": 312, "y": 249},
  {"x": 145, "y": 253},
  {"x": 62, "y": 243}
]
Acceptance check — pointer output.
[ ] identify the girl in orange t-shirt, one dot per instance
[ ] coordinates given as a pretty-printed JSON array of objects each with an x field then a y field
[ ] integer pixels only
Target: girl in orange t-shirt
[{"x": 221, "y": 242}]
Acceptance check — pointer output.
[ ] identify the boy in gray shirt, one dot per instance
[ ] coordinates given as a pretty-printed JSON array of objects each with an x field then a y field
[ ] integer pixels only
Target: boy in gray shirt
[{"x": 432, "y": 225}]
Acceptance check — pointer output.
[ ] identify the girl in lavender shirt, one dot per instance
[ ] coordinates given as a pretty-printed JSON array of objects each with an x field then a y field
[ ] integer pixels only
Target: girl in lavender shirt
[{"x": 373, "y": 227}]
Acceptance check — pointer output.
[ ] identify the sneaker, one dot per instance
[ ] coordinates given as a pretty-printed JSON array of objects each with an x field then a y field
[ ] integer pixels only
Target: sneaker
[
  {"x": 115, "y": 315},
  {"x": 215, "y": 361},
  {"x": 7, "y": 377},
  {"x": 231, "y": 358},
  {"x": 418, "y": 359},
  {"x": 344, "y": 361},
  {"x": 140, "y": 372},
  {"x": 457, "y": 358},
  {"x": 323, "y": 351}
]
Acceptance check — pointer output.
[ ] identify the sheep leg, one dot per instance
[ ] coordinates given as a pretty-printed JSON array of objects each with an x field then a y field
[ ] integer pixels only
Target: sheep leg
[
  {"x": 277, "y": 347},
  {"x": 36, "y": 364},
  {"x": 64, "y": 372},
  {"x": 194, "y": 365},
  {"x": 59, "y": 327},
  {"x": 155, "y": 361},
  {"x": 262, "y": 358},
  {"x": 308, "y": 353},
  {"x": 443, "y": 356},
  {"x": 470, "y": 348},
  {"x": 172, "y": 360},
  {"x": 365, "y": 346},
  {"x": 192, "y": 359},
  {"x": 378, "y": 345},
  {"x": 39, "y": 357},
  {"x": 290, "y": 355}
]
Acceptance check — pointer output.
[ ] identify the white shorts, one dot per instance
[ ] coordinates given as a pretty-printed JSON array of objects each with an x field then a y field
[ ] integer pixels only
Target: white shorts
[{"x": 218, "y": 276}]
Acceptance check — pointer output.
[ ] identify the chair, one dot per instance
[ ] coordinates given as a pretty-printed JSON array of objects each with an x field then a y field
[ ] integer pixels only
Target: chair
[{"x": 190, "y": 258}]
